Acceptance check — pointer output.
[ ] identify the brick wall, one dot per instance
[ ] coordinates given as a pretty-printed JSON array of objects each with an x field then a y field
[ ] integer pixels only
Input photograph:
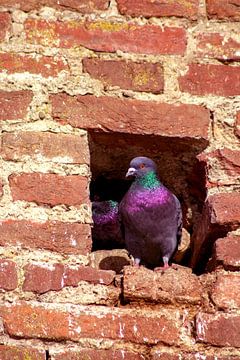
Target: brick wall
[{"x": 87, "y": 84}]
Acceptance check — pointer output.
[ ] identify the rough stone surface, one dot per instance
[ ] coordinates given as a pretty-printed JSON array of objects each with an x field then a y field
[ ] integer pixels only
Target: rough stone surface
[
  {"x": 67, "y": 238},
  {"x": 8, "y": 275},
  {"x": 140, "y": 76},
  {"x": 114, "y": 260},
  {"x": 210, "y": 327},
  {"x": 204, "y": 79},
  {"x": 41, "y": 188},
  {"x": 226, "y": 253},
  {"x": 14, "y": 104},
  {"x": 107, "y": 36},
  {"x": 178, "y": 8},
  {"x": 225, "y": 293},
  {"x": 111, "y": 114},
  {"x": 173, "y": 285},
  {"x": 46, "y": 146}
]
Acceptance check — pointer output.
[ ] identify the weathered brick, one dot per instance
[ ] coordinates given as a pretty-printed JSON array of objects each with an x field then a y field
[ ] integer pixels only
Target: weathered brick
[
  {"x": 44, "y": 65},
  {"x": 93, "y": 354},
  {"x": 159, "y": 355},
  {"x": 41, "y": 278},
  {"x": 14, "y": 352},
  {"x": 8, "y": 275},
  {"x": 67, "y": 238},
  {"x": 107, "y": 36},
  {"x": 173, "y": 285},
  {"x": 219, "y": 46},
  {"x": 14, "y": 104},
  {"x": 45, "y": 146},
  {"x": 222, "y": 165},
  {"x": 201, "y": 79},
  {"x": 237, "y": 125},
  {"x": 35, "y": 321},
  {"x": 224, "y": 9},
  {"x": 83, "y": 6},
  {"x": 226, "y": 252},
  {"x": 50, "y": 189},
  {"x": 5, "y": 22},
  {"x": 146, "y": 8},
  {"x": 221, "y": 214},
  {"x": 140, "y": 76},
  {"x": 132, "y": 116},
  {"x": 218, "y": 329},
  {"x": 87, "y": 273},
  {"x": 225, "y": 293}
]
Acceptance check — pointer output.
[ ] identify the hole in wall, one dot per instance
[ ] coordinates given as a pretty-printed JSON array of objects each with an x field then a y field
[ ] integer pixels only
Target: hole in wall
[{"x": 178, "y": 168}]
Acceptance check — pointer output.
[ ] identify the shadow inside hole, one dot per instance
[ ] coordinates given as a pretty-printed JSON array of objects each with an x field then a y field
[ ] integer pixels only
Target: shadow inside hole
[
  {"x": 115, "y": 263},
  {"x": 178, "y": 166}
]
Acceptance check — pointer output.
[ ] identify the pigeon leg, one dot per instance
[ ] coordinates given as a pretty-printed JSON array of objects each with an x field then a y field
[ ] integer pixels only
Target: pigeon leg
[
  {"x": 165, "y": 265},
  {"x": 136, "y": 262}
]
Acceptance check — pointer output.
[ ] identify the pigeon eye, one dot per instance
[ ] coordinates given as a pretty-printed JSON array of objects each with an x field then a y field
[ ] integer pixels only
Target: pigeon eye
[{"x": 142, "y": 166}]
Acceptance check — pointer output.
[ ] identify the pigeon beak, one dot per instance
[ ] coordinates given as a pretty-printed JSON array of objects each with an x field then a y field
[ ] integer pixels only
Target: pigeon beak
[{"x": 131, "y": 172}]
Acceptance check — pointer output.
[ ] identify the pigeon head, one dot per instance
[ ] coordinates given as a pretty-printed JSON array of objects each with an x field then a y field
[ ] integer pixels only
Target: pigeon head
[{"x": 140, "y": 166}]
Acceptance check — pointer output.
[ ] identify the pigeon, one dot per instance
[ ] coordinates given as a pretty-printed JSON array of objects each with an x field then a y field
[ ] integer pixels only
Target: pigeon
[
  {"x": 151, "y": 217},
  {"x": 106, "y": 230}
]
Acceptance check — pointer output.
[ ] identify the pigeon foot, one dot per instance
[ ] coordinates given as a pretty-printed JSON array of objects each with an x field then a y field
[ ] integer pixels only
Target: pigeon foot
[{"x": 165, "y": 267}]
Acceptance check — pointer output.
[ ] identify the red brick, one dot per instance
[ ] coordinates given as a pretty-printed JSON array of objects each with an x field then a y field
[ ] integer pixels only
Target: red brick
[
  {"x": 87, "y": 273},
  {"x": 237, "y": 125},
  {"x": 215, "y": 45},
  {"x": 142, "y": 76},
  {"x": 14, "y": 104},
  {"x": 93, "y": 354},
  {"x": 50, "y": 189},
  {"x": 146, "y": 8},
  {"x": 223, "y": 166},
  {"x": 225, "y": 208},
  {"x": 172, "y": 286},
  {"x": 224, "y": 9},
  {"x": 218, "y": 329},
  {"x": 67, "y": 238},
  {"x": 60, "y": 148},
  {"x": 5, "y": 22},
  {"x": 8, "y": 275},
  {"x": 41, "y": 278},
  {"x": 201, "y": 79},
  {"x": 226, "y": 252},
  {"x": 131, "y": 116},
  {"x": 225, "y": 293},
  {"x": 35, "y": 321},
  {"x": 83, "y": 6},
  {"x": 12, "y": 352},
  {"x": 107, "y": 36},
  {"x": 221, "y": 213},
  {"x": 44, "y": 65}
]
